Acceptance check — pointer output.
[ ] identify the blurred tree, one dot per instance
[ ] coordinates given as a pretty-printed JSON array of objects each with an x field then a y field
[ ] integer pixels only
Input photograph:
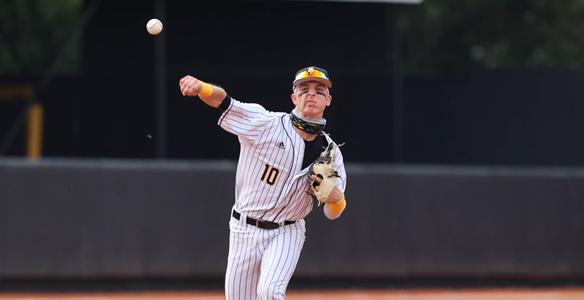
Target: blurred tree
[
  {"x": 488, "y": 34},
  {"x": 34, "y": 33}
]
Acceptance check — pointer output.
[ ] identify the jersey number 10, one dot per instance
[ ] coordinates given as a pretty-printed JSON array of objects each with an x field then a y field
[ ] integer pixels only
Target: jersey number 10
[{"x": 270, "y": 174}]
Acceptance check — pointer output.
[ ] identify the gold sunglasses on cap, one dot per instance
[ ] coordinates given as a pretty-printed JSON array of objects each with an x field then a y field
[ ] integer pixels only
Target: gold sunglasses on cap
[{"x": 312, "y": 74}]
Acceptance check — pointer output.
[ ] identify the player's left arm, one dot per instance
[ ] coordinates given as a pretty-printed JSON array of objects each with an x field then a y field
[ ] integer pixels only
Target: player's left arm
[{"x": 336, "y": 203}]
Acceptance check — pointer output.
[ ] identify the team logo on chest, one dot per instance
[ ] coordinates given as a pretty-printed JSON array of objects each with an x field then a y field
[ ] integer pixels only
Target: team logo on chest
[{"x": 280, "y": 145}]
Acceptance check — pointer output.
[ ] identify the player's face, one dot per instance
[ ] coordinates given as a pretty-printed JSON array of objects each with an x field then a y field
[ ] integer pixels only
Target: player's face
[{"x": 311, "y": 98}]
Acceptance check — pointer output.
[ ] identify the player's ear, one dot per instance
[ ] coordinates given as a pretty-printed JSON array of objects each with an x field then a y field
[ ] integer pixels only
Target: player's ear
[
  {"x": 293, "y": 97},
  {"x": 329, "y": 99}
]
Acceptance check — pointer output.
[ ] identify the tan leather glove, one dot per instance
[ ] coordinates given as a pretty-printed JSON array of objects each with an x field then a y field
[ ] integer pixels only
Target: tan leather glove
[{"x": 322, "y": 176}]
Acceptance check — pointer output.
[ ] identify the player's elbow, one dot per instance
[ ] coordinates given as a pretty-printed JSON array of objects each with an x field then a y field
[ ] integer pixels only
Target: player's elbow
[{"x": 334, "y": 210}]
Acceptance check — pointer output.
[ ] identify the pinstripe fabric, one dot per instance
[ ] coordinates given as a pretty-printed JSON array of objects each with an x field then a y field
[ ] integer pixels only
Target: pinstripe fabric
[
  {"x": 270, "y": 185},
  {"x": 261, "y": 262}
]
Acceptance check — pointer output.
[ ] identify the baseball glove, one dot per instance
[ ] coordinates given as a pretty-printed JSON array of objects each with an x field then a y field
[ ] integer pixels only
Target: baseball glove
[{"x": 323, "y": 170}]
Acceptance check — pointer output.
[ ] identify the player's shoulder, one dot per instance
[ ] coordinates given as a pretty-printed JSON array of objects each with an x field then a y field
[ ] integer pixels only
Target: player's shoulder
[
  {"x": 257, "y": 111},
  {"x": 250, "y": 106}
]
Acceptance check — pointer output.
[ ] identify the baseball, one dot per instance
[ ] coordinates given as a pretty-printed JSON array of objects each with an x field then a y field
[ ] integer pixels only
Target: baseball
[{"x": 154, "y": 26}]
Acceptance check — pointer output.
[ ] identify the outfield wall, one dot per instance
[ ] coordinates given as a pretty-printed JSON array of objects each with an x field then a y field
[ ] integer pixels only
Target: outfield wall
[{"x": 138, "y": 218}]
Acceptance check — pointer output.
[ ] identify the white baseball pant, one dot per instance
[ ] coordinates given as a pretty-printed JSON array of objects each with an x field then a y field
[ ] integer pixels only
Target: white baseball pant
[{"x": 261, "y": 261}]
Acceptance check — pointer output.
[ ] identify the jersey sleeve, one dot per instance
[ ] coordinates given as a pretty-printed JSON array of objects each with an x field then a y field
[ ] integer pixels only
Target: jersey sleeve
[
  {"x": 246, "y": 120},
  {"x": 340, "y": 168}
]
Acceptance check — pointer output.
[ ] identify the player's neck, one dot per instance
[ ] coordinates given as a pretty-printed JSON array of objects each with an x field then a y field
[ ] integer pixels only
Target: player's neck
[
  {"x": 305, "y": 135},
  {"x": 307, "y": 128}
]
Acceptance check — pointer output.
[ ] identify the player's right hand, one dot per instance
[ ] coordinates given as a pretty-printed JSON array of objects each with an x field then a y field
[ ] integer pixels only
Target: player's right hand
[{"x": 189, "y": 86}]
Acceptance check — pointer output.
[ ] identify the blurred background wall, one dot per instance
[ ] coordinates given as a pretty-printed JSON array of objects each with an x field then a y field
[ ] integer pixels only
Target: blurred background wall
[
  {"x": 489, "y": 91},
  {"x": 487, "y": 82}
]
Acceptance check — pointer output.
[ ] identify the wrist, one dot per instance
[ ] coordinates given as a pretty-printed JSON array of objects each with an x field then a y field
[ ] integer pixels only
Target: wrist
[
  {"x": 334, "y": 210},
  {"x": 206, "y": 89}
]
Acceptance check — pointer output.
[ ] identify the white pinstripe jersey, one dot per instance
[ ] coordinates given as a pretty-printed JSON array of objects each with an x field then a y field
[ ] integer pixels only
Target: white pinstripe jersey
[{"x": 270, "y": 182}]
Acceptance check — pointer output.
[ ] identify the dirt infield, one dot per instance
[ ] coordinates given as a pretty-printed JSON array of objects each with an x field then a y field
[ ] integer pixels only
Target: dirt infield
[{"x": 436, "y": 294}]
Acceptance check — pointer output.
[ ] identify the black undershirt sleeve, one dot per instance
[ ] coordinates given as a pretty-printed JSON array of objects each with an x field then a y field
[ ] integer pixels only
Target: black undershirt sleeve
[{"x": 224, "y": 104}]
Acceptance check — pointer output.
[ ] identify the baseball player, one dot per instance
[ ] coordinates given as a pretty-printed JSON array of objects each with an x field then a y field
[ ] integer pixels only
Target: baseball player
[{"x": 286, "y": 162}]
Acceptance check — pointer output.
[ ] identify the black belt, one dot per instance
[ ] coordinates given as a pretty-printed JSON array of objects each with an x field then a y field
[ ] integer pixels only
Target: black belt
[{"x": 261, "y": 223}]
